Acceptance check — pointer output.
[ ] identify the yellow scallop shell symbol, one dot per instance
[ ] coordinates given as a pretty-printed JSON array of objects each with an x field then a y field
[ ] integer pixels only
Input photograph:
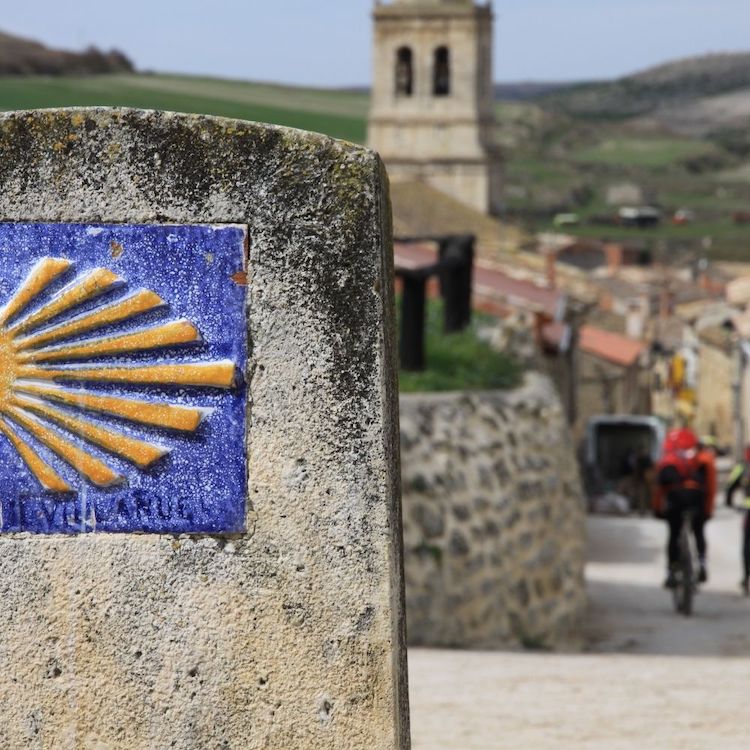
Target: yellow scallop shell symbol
[{"x": 36, "y": 364}]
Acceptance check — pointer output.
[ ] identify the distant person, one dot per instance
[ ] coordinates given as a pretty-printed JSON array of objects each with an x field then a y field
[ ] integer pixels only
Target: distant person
[
  {"x": 635, "y": 484},
  {"x": 685, "y": 480},
  {"x": 642, "y": 472},
  {"x": 626, "y": 478},
  {"x": 739, "y": 481},
  {"x": 737, "y": 478}
]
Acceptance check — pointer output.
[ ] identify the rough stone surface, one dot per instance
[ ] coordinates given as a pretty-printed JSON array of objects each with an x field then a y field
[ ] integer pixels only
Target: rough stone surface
[
  {"x": 493, "y": 520},
  {"x": 288, "y": 636}
]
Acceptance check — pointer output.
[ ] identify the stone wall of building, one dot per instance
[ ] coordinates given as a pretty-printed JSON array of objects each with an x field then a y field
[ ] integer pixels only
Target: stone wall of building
[
  {"x": 445, "y": 140},
  {"x": 714, "y": 401},
  {"x": 493, "y": 519}
]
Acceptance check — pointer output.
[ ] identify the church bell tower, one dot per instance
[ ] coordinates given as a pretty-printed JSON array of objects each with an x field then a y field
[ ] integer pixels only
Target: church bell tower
[{"x": 431, "y": 116}]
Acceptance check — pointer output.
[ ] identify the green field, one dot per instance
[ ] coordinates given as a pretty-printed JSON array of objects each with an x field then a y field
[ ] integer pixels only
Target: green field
[
  {"x": 335, "y": 113},
  {"x": 553, "y": 162},
  {"x": 456, "y": 361},
  {"x": 654, "y": 152},
  {"x": 557, "y": 164}
]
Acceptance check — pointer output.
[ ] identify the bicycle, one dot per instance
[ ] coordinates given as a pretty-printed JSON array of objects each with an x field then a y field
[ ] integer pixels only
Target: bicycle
[
  {"x": 744, "y": 509},
  {"x": 686, "y": 572}
]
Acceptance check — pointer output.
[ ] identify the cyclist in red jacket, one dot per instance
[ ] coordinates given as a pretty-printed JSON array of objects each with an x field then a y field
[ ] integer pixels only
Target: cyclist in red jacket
[
  {"x": 686, "y": 480},
  {"x": 739, "y": 481}
]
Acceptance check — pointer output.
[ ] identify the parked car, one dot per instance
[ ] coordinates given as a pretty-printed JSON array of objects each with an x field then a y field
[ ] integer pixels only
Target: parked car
[
  {"x": 641, "y": 216},
  {"x": 612, "y": 446}
]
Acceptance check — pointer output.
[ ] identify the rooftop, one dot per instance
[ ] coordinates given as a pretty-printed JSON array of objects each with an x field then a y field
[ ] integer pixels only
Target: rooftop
[
  {"x": 491, "y": 288},
  {"x": 614, "y": 347},
  {"x": 419, "y": 210},
  {"x": 429, "y": 8}
]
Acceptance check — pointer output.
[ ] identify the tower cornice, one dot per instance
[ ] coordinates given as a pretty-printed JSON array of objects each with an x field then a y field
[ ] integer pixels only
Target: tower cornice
[{"x": 427, "y": 11}]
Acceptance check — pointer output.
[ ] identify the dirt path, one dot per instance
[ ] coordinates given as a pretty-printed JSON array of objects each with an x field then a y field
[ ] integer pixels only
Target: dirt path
[{"x": 650, "y": 679}]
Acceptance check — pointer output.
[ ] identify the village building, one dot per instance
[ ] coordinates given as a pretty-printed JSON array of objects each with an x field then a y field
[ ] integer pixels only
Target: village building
[{"x": 431, "y": 115}]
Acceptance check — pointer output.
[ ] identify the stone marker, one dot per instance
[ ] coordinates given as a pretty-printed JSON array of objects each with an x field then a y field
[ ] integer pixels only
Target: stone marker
[{"x": 199, "y": 514}]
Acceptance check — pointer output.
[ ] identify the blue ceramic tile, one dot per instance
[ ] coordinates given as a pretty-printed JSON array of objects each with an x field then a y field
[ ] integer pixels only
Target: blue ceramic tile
[{"x": 122, "y": 395}]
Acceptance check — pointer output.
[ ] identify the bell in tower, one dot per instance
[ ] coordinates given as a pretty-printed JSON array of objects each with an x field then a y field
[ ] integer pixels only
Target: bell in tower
[{"x": 431, "y": 116}]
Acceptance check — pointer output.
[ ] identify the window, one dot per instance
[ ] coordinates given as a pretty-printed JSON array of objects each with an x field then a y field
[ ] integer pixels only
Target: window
[
  {"x": 404, "y": 72},
  {"x": 441, "y": 73}
]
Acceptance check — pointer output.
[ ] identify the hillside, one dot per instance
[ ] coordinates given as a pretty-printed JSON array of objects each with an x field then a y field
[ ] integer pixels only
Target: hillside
[
  {"x": 19, "y": 56},
  {"x": 336, "y": 113},
  {"x": 556, "y": 162},
  {"x": 676, "y": 136},
  {"x": 694, "y": 96},
  {"x": 524, "y": 91}
]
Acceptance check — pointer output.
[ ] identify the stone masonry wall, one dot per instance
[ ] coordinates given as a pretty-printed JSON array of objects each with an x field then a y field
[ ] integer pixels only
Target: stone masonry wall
[{"x": 493, "y": 519}]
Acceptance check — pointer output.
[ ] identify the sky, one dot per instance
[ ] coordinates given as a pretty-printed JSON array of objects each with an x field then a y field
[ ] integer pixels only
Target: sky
[{"x": 327, "y": 43}]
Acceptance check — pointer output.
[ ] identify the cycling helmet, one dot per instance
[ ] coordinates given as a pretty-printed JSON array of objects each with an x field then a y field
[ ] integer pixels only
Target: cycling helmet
[{"x": 681, "y": 439}]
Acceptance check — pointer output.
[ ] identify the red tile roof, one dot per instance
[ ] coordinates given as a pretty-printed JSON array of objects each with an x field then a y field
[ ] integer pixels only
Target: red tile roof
[
  {"x": 412, "y": 255},
  {"x": 490, "y": 285},
  {"x": 614, "y": 347},
  {"x": 496, "y": 285}
]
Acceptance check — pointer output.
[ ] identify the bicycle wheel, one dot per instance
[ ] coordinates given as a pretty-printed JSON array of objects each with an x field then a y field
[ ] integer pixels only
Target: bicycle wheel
[
  {"x": 677, "y": 597},
  {"x": 687, "y": 580}
]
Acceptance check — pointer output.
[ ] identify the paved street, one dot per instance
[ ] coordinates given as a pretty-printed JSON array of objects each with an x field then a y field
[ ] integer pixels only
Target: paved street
[{"x": 648, "y": 679}]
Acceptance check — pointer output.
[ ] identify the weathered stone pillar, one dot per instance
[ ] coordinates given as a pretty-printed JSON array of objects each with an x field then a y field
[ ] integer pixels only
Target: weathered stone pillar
[{"x": 200, "y": 530}]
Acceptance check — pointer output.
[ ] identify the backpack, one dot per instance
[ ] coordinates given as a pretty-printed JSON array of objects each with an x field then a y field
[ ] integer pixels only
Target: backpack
[{"x": 681, "y": 469}]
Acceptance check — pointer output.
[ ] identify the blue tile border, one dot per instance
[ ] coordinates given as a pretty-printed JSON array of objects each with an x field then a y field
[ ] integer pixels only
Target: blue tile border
[{"x": 200, "y": 485}]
